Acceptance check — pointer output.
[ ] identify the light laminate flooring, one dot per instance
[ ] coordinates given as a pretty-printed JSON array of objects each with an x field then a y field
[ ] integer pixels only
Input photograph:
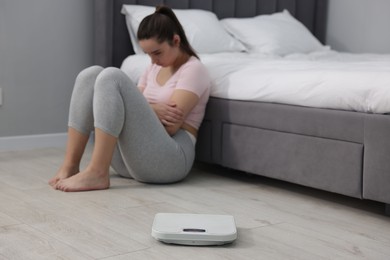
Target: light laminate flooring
[{"x": 275, "y": 219}]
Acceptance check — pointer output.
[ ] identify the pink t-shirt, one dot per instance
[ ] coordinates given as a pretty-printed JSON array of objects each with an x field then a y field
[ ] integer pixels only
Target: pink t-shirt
[{"x": 191, "y": 76}]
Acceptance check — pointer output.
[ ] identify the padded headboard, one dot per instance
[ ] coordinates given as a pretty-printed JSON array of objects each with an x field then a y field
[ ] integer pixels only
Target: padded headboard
[{"x": 112, "y": 41}]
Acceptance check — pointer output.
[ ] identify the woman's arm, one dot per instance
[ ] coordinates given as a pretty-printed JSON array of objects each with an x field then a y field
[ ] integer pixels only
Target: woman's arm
[
  {"x": 169, "y": 114},
  {"x": 173, "y": 114},
  {"x": 185, "y": 101}
]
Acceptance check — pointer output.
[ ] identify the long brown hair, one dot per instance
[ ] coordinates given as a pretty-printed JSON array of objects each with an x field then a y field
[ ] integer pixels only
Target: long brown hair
[{"x": 163, "y": 25}]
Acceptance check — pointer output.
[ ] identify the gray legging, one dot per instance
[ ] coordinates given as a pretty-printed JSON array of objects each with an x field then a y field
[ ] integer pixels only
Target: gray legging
[{"x": 109, "y": 100}]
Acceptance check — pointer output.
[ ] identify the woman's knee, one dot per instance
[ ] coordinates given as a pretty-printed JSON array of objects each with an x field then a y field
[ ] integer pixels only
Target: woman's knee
[
  {"x": 89, "y": 74},
  {"x": 108, "y": 74},
  {"x": 111, "y": 75}
]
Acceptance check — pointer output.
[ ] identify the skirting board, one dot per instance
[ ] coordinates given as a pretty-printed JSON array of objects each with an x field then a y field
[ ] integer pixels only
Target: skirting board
[{"x": 28, "y": 142}]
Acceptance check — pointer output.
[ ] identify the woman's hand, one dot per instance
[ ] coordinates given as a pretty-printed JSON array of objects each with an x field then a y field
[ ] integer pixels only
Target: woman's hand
[{"x": 169, "y": 114}]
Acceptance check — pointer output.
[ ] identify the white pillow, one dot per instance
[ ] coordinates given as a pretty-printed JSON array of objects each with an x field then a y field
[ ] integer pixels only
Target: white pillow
[
  {"x": 202, "y": 28},
  {"x": 278, "y": 33}
]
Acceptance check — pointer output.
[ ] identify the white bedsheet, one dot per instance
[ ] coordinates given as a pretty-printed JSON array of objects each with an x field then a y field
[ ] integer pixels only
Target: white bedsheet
[{"x": 328, "y": 79}]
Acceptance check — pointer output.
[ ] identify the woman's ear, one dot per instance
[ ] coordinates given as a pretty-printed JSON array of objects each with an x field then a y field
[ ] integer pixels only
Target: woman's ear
[{"x": 176, "y": 40}]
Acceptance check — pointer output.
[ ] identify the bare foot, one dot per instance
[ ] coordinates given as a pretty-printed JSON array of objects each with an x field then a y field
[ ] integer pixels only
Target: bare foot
[
  {"x": 85, "y": 181},
  {"x": 63, "y": 173}
]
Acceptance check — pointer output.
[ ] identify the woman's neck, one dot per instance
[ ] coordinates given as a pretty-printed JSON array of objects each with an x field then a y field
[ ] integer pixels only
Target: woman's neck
[{"x": 181, "y": 59}]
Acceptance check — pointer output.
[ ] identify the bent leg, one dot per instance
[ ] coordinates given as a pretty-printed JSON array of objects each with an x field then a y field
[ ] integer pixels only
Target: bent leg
[
  {"x": 80, "y": 123},
  {"x": 108, "y": 116}
]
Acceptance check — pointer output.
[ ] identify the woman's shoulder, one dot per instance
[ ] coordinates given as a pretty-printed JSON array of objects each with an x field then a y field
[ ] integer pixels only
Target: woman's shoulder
[
  {"x": 194, "y": 64},
  {"x": 194, "y": 73},
  {"x": 194, "y": 60}
]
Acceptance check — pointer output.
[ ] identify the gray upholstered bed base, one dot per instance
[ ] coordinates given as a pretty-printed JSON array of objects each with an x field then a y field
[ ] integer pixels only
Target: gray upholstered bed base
[{"x": 338, "y": 151}]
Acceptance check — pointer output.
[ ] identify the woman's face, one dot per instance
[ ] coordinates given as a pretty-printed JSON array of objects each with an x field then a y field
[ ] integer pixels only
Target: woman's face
[{"x": 161, "y": 54}]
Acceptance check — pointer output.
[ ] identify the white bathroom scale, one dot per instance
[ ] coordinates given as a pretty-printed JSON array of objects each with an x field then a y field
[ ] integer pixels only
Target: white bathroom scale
[{"x": 194, "y": 229}]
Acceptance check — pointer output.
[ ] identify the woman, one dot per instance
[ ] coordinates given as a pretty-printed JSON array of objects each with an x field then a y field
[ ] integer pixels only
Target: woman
[{"x": 146, "y": 133}]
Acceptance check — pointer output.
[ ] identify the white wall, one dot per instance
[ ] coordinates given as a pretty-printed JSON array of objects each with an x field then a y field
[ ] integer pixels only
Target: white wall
[
  {"x": 43, "y": 45},
  {"x": 359, "y": 26}
]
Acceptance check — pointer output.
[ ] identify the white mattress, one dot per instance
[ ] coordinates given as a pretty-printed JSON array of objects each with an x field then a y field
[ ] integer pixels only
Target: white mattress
[{"x": 327, "y": 79}]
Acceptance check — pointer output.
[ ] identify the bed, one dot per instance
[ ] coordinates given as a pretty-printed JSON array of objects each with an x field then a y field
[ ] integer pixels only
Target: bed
[{"x": 342, "y": 148}]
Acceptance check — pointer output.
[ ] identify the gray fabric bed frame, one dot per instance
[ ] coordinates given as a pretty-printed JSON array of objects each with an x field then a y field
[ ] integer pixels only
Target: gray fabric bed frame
[{"x": 338, "y": 151}]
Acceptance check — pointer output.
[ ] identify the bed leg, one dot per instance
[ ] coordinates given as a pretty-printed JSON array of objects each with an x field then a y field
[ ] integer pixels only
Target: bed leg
[{"x": 387, "y": 210}]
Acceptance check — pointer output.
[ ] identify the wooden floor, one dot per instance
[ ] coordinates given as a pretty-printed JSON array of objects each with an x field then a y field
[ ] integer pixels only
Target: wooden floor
[{"x": 275, "y": 220}]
